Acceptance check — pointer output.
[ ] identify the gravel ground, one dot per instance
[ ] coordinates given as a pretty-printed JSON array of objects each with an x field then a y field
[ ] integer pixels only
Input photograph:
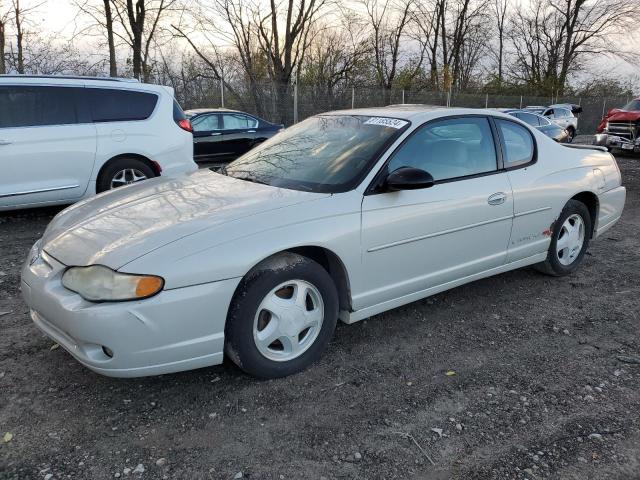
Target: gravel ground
[{"x": 516, "y": 376}]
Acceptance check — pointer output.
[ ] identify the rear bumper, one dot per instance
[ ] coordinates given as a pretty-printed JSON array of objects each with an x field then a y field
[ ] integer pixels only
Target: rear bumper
[
  {"x": 611, "y": 207},
  {"x": 179, "y": 329}
]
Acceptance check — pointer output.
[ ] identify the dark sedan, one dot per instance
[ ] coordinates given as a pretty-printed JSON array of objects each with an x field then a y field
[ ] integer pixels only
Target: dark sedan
[
  {"x": 221, "y": 135},
  {"x": 541, "y": 123}
]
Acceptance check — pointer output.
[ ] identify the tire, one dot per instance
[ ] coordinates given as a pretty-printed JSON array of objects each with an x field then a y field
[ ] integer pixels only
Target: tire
[
  {"x": 570, "y": 258},
  {"x": 110, "y": 175},
  {"x": 572, "y": 134},
  {"x": 266, "y": 287}
]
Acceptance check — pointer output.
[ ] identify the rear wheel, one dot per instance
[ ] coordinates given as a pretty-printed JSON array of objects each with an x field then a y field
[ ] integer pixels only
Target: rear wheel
[
  {"x": 570, "y": 240},
  {"x": 123, "y": 171},
  {"x": 571, "y": 134},
  {"x": 282, "y": 317}
]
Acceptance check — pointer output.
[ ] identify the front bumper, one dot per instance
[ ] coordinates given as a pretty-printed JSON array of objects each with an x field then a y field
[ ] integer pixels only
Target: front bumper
[
  {"x": 615, "y": 141},
  {"x": 178, "y": 329}
]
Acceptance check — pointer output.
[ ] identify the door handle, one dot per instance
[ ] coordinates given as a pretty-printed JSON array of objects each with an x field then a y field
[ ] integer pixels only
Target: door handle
[
  {"x": 5, "y": 142},
  {"x": 215, "y": 134},
  {"x": 251, "y": 131},
  {"x": 497, "y": 198}
]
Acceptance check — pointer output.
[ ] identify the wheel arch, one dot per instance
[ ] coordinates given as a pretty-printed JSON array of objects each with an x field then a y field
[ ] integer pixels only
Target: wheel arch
[
  {"x": 328, "y": 260},
  {"x": 590, "y": 200},
  {"x": 153, "y": 165}
]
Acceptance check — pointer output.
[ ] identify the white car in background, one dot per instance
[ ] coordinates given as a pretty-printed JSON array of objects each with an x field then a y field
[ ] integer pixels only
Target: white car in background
[
  {"x": 66, "y": 138},
  {"x": 562, "y": 114},
  {"x": 344, "y": 215}
]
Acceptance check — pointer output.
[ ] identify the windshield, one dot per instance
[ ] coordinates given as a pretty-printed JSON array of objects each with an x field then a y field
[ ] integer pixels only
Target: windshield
[
  {"x": 632, "y": 105},
  {"x": 325, "y": 153}
]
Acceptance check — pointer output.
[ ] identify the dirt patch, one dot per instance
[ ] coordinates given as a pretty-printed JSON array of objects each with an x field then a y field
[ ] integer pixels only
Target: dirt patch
[{"x": 542, "y": 387}]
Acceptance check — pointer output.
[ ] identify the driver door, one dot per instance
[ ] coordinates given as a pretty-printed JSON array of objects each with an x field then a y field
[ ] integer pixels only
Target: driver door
[
  {"x": 208, "y": 138},
  {"x": 413, "y": 240}
]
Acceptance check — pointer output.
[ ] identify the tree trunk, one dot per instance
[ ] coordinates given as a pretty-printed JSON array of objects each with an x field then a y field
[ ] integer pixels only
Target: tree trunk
[
  {"x": 3, "y": 65},
  {"x": 113, "y": 67},
  {"x": 19, "y": 35},
  {"x": 136, "y": 20}
]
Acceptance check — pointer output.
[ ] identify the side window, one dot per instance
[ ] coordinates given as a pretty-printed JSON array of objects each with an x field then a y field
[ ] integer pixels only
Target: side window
[
  {"x": 111, "y": 105},
  {"x": 33, "y": 106},
  {"x": 563, "y": 113},
  {"x": 449, "y": 149},
  {"x": 236, "y": 121},
  {"x": 206, "y": 123},
  {"x": 529, "y": 119},
  {"x": 517, "y": 143}
]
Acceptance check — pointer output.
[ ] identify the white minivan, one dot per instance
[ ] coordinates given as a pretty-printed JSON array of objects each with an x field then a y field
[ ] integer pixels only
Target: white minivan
[{"x": 66, "y": 138}]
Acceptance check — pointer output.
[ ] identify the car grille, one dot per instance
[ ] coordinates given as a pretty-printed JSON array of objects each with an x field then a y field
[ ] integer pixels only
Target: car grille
[{"x": 624, "y": 129}]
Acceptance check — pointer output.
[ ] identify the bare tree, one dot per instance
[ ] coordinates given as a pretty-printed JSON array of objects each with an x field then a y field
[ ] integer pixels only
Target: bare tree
[
  {"x": 139, "y": 20},
  {"x": 500, "y": 9},
  {"x": 17, "y": 20},
  {"x": 552, "y": 37},
  {"x": 284, "y": 34},
  {"x": 389, "y": 21},
  {"x": 101, "y": 14},
  {"x": 4, "y": 20}
]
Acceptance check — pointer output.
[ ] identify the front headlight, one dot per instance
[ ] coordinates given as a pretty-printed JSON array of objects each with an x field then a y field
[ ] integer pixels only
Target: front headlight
[{"x": 98, "y": 283}]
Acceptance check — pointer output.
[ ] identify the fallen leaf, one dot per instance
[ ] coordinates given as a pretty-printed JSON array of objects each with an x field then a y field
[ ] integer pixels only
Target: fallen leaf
[
  {"x": 7, "y": 437},
  {"x": 54, "y": 346},
  {"x": 450, "y": 373},
  {"x": 438, "y": 431}
]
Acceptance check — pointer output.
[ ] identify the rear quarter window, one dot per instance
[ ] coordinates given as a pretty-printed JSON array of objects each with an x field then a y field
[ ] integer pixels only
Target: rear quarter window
[
  {"x": 111, "y": 105},
  {"x": 517, "y": 143}
]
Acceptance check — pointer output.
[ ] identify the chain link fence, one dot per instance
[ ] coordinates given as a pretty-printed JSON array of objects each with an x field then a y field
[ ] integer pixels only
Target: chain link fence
[{"x": 289, "y": 104}]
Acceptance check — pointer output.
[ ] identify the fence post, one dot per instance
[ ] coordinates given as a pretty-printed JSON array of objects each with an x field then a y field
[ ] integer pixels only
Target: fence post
[
  {"x": 604, "y": 104},
  {"x": 353, "y": 97},
  {"x": 403, "y": 96},
  {"x": 486, "y": 101},
  {"x": 295, "y": 102},
  {"x": 520, "y": 102},
  {"x": 221, "y": 92}
]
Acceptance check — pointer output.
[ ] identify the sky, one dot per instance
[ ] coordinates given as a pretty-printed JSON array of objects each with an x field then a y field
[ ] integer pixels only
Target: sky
[{"x": 59, "y": 17}]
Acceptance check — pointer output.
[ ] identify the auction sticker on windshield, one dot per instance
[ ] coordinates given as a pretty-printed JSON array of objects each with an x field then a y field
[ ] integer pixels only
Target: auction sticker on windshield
[{"x": 386, "y": 122}]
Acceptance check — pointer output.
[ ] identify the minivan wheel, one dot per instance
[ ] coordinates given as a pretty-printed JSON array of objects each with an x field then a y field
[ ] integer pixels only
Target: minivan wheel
[
  {"x": 571, "y": 134},
  {"x": 569, "y": 241},
  {"x": 123, "y": 171},
  {"x": 282, "y": 316}
]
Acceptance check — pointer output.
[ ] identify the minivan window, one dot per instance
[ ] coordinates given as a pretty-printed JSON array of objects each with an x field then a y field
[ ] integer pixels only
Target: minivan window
[
  {"x": 111, "y": 105},
  {"x": 35, "y": 106}
]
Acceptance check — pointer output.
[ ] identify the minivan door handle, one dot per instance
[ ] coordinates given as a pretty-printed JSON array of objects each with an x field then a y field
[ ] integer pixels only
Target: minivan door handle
[
  {"x": 497, "y": 198},
  {"x": 251, "y": 131},
  {"x": 5, "y": 142},
  {"x": 215, "y": 134}
]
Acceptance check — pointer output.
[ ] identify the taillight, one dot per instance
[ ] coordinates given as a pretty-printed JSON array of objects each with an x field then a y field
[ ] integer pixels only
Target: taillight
[{"x": 185, "y": 124}]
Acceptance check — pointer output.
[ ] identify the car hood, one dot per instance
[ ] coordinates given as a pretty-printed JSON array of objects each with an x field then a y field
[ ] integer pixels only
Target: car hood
[
  {"x": 115, "y": 228},
  {"x": 624, "y": 116}
]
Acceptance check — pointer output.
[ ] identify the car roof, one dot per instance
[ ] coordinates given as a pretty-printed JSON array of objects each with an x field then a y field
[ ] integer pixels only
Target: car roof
[
  {"x": 76, "y": 80},
  {"x": 418, "y": 113}
]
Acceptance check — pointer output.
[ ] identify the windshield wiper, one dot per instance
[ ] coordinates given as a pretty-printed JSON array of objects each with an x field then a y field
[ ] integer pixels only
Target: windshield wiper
[{"x": 252, "y": 180}]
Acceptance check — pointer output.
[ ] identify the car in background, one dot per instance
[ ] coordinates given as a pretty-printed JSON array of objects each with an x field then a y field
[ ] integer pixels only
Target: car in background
[
  {"x": 221, "y": 135},
  {"x": 541, "y": 123},
  {"x": 63, "y": 139},
  {"x": 620, "y": 127},
  {"x": 562, "y": 114}
]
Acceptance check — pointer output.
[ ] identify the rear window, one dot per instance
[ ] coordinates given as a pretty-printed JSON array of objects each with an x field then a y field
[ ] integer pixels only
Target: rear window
[
  {"x": 109, "y": 105},
  {"x": 33, "y": 106}
]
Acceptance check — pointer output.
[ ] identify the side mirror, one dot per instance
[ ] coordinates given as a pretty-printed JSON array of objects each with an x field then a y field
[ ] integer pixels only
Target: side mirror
[{"x": 408, "y": 178}]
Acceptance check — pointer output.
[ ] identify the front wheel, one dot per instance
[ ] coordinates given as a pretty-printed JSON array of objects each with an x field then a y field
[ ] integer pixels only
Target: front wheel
[
  {"x": 282, "y": 316},
  {"x": 571, "y": 134},
  {"x": 570, "y": 240}
]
